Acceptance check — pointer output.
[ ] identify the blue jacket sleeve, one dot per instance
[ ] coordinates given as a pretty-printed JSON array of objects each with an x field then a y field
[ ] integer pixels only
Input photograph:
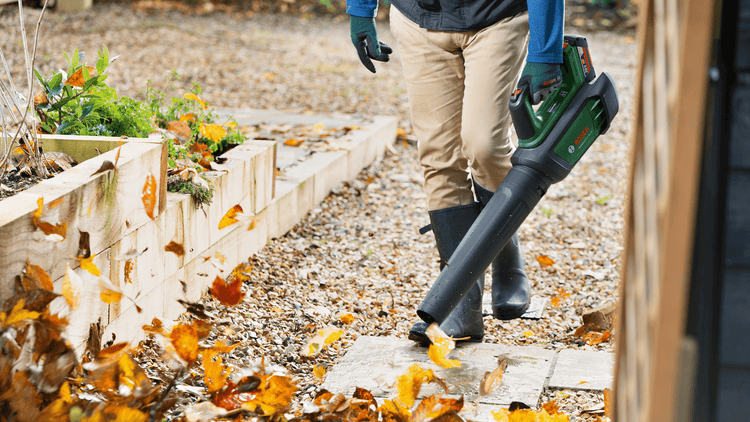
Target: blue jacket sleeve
[
  {"x": 362, "y": 8},
  {"x": 546, "y": 19}
]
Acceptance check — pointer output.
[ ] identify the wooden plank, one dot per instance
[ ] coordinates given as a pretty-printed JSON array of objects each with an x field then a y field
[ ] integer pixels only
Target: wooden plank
[
  {"x": 677, "y": 242},
  {"x": 102, "y": 205},
  {"x": 83, "y": 148}
]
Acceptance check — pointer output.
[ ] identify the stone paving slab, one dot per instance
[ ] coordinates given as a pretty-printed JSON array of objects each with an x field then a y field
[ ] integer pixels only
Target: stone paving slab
[
  {"x": 583, "y": 370},
  {"x": 374, "y": 363}
]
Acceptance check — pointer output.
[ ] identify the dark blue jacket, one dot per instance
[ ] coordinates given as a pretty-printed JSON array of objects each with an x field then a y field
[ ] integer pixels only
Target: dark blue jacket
[{"x": 545, "y": 19}]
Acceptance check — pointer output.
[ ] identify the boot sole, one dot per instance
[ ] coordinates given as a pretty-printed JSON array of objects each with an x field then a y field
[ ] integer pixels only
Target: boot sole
[
  {"x": 424, "y": 341},
  {"x": 509, "y": 315}
]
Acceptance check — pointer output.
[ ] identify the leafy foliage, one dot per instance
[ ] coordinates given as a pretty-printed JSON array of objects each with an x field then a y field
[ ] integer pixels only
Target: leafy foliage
[{"x": 78, "y": 101}]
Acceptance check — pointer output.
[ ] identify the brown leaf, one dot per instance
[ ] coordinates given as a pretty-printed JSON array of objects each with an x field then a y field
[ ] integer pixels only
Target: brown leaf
[
  {"x": 493, "y": 379},
  {"x": 149, "y": 195},
  {"x": 106, "y": 166},
  {"x": 34, "y": 277},
  {"x": 185, "y": 341},
  {"x": 84, "y": 250},
  {"x": 175, "y": 248},
  {"x": 180, "y": 128},
  {"x": 129, "y": 268},
  {"x": 551, "y": 407},
  {"x": 54, "y": 232},
  {"x": 22, "y": 398},
  {"x": 58, "y": 161},
  {"x": 41, "y": 99}
]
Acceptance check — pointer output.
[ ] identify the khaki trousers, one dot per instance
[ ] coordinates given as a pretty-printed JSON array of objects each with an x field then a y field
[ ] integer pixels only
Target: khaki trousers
[{"x": 459, "y": 85}]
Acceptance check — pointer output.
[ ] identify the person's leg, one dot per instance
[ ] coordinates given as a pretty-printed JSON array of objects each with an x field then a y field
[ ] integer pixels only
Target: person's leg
[
  {"x": 494, "y": 58},
  {"x": 434, "y": 75}
]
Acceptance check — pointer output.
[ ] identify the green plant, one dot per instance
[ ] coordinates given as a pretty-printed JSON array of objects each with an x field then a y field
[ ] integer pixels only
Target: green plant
[
  {"x": 603, "y": 200},
  {"x": 200, "y": 194},
  {"x": 188, "y": 115},
  {"x": 78, "y": 101}
]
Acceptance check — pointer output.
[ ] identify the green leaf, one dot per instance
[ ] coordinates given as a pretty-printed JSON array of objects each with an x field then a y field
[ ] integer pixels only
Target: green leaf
[
  {"x": 41, "y": 80},
  {"x": 55, "y": 81},
  {"x": 47, "y": 127},
  {"x": 75, "y": 59},
  {"x": 62, "y": 127},
  {"x": 85, "y": 72},
  {"x": 89, "y": 83},
  {"x": 67, "y": 59}
]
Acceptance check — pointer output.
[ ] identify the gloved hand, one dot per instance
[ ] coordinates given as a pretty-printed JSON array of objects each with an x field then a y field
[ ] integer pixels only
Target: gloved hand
[
  {"x": 544, "y": 78},
  {"x": 365, "y": 39}
]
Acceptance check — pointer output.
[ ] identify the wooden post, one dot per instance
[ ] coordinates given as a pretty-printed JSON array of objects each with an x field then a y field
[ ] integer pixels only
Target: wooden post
[{"x": 668, "y": 131}]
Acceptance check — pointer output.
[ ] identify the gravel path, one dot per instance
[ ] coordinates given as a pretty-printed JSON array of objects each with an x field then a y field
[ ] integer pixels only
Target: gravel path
[{"x": 359, "y": 252}]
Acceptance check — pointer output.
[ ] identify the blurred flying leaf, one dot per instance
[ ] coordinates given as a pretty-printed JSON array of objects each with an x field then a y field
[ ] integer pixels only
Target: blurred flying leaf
[
  {"x": 439, "y": 350},
  {"x": 292, "y": 142},
  {"x": 184, "y": 339},
  {"x": 230, "y": 217},
  {"x": 17, "y": 314},
  {"x": 54, "y": 232},
  {"x": 106, "y": 166},
  {"x": 319, "y": 371},
  {"x": 323, "y": 338},
  {"x": 493, "y": 379},
  {"x": 88, "y": 265},
  {"x": 71, "y": 288},
  {"x": 149, "y": 195},
  {"x": 409, "y": 384},
  {"x": 215, "y": 373},
  {"x": 230, "y": 293},
  {"x": 191, "y": 96},
  {"x": 34, "y": 277}
]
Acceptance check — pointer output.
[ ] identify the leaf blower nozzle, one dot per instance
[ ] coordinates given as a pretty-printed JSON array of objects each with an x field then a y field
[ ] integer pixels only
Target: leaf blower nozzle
[{"x": 552, "y": 140}]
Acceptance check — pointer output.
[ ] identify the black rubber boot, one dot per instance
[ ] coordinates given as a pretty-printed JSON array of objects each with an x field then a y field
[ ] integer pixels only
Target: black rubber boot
[
  {"x": 449, "y": 226},
  {"x": 510, "y": 285}
]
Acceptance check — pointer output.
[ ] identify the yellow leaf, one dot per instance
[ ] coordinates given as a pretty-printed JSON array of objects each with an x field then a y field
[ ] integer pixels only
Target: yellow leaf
[
  {"x": 230, "y": 125},
  {"x": 323, "y": 338},
  {"x": 17, "y": 314},
  {"x": 230, "y": 217},
  {"x": 71, "y": 288},
  {"x": 213, "y": 132},
  {"x": 269, "y": 76},
  {"x": 439, "y": 350},
  {"x": 191, "y": 96},
  {"x": 215, "y": 373},
  {"x": 187, "y": 117},
  {"x": 409, "y": 384},
  {"x": 88, "y": 265},
  {"x": 528, "y": 333},
  {"x": 319, "y": 371}
]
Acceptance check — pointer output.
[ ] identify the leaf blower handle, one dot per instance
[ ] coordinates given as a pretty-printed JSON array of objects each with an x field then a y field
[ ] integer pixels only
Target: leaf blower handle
[{"x": 522, "y": 112}]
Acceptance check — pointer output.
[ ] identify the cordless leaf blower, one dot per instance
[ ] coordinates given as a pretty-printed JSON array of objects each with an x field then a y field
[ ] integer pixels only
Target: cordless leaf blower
[{"x": 551, "y": 142}]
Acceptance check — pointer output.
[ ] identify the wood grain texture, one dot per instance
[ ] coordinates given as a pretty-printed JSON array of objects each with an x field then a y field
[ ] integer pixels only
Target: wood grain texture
[{"x": 101, "y": 205}]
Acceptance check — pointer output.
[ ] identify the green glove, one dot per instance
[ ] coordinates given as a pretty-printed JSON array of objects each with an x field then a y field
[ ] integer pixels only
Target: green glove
[
  {"x": 365, "y": 39},
  {"x": 543, "y": 78}
]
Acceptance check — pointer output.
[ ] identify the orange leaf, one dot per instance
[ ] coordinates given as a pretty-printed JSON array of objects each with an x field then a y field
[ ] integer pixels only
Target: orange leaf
[
  {"x": 40, "y": 99},
  {"x": 439, "y": 350},
  {"x": 191, "y": 96},
  {"x": 608, "y": 402},
  {"x": 229, "y": 294},
  {"x": 175, "y": 248},
  {"x": 149, "y": 195},
  {"x": 294, "y": 142},
  {"x": 545, "y": 261},
  {"x": 230, "y": 217},
  {"x": 215, "y": 374},
  {"x": 76, "y": 79},
  {"x": 346, "y": 318},
  {"x": 185, "y": 341},
  {"x": 54, "y": 232},
  {"x": 186, "y": 118},
  {"x": 551, "y": 407},
  {"x": 129, "y": 267},
  {"x": 273, "y": 393}
]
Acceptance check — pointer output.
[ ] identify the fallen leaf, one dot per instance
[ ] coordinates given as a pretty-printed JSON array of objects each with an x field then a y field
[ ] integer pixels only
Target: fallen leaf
[
  {"x": 346, "y": 318},
  {"x": 230, "y": 293},
  {"x": 213, "y": 132},
  {"x": 545, "y": 261},
  {"x": 189, "y": 117},
  {"x": 131, "y": 254},
  {"x": 528, "y": 334},
  {"x": 175, "y": 248},
  {"x": 180, "y": 127},
  {"x": 292, "y": 142},
  {"x": 149, "y": 195},
  {"x": 319, "y": 371},
  {"x": 215, "y": 373},
  {"x": 551, "y": 407}
]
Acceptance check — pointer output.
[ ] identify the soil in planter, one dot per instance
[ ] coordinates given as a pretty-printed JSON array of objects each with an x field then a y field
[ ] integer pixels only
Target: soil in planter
[{"x": 14, "y": 182}]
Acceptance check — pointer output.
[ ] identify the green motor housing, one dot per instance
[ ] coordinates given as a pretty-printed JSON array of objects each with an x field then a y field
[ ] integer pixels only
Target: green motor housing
[{"x": 555, "y": 137}]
